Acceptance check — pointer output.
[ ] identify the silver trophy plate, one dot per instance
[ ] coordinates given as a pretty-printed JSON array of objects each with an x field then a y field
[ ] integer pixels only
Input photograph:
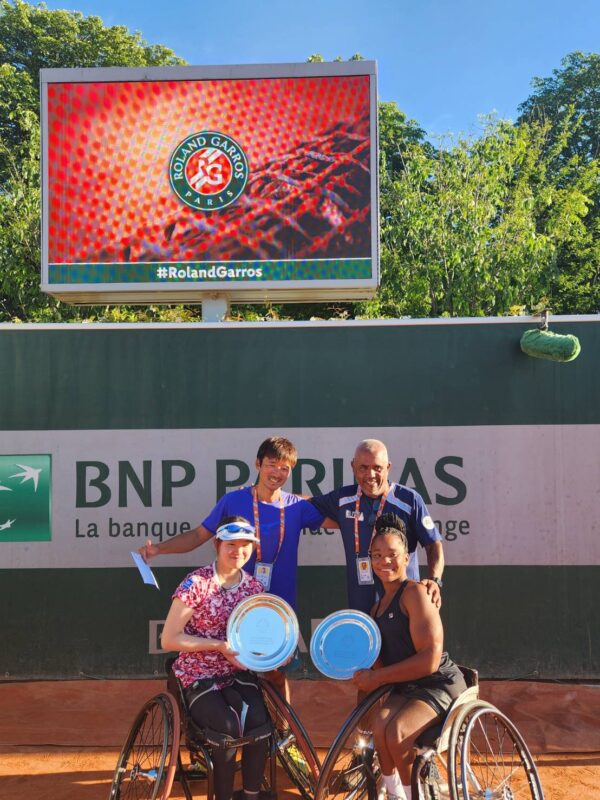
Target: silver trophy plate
[
  {"x": 345, "y": 642},
  {"x": 263, "y": 630}
]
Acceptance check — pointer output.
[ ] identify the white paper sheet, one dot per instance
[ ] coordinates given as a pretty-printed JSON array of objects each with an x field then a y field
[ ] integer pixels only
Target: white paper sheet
[{"x": 145, "y": 571}]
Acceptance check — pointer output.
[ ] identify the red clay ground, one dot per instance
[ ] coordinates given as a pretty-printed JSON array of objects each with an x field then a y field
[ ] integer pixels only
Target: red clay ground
[{"x": 60, "y": 740}]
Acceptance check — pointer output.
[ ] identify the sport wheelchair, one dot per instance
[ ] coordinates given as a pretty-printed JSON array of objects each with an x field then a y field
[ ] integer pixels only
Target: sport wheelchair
[
  {"x": 475, "y": 753},
  {"x": 164, "y": 745}
]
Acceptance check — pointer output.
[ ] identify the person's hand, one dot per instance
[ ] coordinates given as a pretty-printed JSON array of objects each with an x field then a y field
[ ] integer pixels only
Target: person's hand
[
  {"x": 433, "y": 590},
  {"x": 230, "y": 655},
  {"x": 365, "y": 680},
  {"x": 149, "y": 550}
]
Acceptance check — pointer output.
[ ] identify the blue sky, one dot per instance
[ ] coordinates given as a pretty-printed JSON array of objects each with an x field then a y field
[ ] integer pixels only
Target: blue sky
[{"x": 443, "y": 61}]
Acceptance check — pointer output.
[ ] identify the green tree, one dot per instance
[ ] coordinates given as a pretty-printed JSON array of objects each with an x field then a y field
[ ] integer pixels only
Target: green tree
[
  {"x": 31, "y": 38},
  {"x": 571, "y": 98},
  {"x": 573, "y": 91},
  {"x": 473, "y": 229},
  {"x": 396, "y": 133}
]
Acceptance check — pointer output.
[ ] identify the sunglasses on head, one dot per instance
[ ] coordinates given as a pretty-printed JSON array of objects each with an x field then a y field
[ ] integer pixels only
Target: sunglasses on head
[{"x": 235, "y": 527}]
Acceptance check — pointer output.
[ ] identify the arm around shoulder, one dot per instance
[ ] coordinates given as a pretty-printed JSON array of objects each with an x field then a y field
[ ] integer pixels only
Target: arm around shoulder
[
  {"x": 435, "y": 559},
  {"x": 182, "y": 543},
  {"x": 435, "y": 569}
]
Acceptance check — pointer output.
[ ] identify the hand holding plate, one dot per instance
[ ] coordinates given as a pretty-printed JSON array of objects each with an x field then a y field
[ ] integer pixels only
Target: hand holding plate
[
  {"x": 365, "y": 680},
  {"x": 230, "y": 655}
]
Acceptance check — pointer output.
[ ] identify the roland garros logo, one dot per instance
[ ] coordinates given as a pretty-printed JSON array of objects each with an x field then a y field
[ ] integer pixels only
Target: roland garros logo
[{"x": 208, "y": 171}]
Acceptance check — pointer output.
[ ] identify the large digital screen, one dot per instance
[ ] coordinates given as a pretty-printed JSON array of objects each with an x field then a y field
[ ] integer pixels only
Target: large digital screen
[{"x": 163, "y": 184}]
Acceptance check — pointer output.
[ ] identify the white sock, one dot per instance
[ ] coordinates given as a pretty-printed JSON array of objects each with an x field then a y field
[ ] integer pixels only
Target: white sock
[
  {"x": 393, "y": 784},
  {"x": 407, "y": 792}
]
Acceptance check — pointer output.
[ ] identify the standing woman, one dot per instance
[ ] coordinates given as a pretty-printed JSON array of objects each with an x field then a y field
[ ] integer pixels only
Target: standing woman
[
  {"x": 426, "y": 680},
  {"x": 221, "y": 694}
]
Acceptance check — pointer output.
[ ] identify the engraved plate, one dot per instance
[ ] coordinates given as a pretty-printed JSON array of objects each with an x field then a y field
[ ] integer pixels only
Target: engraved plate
[
  {"x": 263, "y": 629},
  {"x": 345, "y": 642}
]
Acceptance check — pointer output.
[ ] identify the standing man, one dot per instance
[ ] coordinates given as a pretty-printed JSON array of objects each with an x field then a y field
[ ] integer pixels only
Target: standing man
[
  {"x": 277, "y": 516},
  {"x": 357, "y": 508}
]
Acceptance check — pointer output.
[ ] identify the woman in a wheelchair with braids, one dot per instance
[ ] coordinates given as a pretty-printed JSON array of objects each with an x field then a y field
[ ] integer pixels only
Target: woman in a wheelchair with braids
[
  {"x": 222, "y": 697},
  {"x": 425, "y": 679}
]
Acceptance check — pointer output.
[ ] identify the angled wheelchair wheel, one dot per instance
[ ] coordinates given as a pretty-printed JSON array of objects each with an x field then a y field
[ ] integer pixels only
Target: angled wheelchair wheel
[
  {"x": 148, "y": 761},
  {"x": 455, "y": 740},
  {"x": 430, "y": 779},
  {"x": 351, "y": 769},
  {"x": 292, "y": 744},
  {"x": 491, "y": 760}
]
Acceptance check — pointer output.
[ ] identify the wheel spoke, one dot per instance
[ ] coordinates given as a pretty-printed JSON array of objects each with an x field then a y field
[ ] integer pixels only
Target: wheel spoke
[
  {"x": 495, "y": 762},
  {"x": 351, "y": 769},
  {"x": 147, "y": 762},
  {"x": 294, "y": 749}
]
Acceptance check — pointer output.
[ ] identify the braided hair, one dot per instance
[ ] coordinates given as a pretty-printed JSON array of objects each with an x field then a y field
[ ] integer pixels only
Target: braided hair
[{"x": 391, "y": 523}]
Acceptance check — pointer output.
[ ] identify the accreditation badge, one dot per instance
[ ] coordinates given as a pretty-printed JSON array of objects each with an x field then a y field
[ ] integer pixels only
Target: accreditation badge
[
  {"x": 364, "y": 571},
  {"x": 262, "y": 573}
]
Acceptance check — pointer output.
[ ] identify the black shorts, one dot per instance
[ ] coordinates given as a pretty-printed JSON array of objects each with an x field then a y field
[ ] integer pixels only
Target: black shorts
[{"x": 435, "y": 697}]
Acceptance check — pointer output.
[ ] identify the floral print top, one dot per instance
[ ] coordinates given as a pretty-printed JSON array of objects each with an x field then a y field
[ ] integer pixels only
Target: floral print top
[{"x": 212, "y": 605}]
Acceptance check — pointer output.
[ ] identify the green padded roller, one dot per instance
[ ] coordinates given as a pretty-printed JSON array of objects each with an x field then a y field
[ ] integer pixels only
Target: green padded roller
[{"x": 553, "y": 346}]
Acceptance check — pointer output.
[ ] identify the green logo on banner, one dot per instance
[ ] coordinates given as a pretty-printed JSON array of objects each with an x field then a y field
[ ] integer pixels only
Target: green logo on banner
[{"x": 25, "y": 498}]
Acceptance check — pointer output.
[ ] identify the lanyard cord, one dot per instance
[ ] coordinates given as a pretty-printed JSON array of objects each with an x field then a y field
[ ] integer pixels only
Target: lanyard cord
[
  {"x": 257, "y": 523},
  {"x": 357, "y": 514}
]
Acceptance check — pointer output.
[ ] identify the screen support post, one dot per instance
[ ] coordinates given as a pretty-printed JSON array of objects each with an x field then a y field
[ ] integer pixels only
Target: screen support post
[{"x": 215, "y": 308}]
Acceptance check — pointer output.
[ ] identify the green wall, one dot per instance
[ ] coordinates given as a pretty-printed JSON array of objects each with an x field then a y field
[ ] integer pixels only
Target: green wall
[
  {"x": 471, "y": 374},
  {"x": 509, "y": 621}
]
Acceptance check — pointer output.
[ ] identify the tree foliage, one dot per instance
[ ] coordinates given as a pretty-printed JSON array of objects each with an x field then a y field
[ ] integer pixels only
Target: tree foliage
[
  {"x": 572, "y": 92},
  {"x": 474, "y": 229},
  {"x": 570, "y": 99},
  {"x": 31, "y": 38},
  {"x": 469, "y": 227}
]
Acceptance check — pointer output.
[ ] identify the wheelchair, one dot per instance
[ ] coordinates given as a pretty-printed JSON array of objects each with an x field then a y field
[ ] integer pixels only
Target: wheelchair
[
  {"x": 164, "y": 746},
  {"x": 475, "y": 753}
]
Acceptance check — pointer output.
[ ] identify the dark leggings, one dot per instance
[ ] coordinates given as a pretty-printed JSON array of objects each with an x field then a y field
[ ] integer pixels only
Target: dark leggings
[{"x": 221, "y": 711}]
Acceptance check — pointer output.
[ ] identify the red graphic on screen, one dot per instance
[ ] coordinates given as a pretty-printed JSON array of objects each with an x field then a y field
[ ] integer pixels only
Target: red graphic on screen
[
  {"x": 307, "y": 145},
  {"x": 208, "y": 171}
]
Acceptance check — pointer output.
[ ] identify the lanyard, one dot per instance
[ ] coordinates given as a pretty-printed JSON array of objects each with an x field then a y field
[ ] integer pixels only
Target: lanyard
[
  {"x": 357, "y": 514},
  {"x": 257, "y": 523}
]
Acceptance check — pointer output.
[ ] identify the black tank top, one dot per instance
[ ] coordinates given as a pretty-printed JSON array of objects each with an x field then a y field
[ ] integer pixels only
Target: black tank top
[{"x": 396, "y": 645}]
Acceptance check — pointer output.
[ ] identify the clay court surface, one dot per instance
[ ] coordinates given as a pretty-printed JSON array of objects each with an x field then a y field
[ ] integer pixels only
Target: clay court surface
[{"x": 60, "y": 740}]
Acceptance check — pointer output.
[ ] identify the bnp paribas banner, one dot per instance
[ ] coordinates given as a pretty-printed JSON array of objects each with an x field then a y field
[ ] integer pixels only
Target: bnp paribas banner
[{"x": 501, "y": 495}]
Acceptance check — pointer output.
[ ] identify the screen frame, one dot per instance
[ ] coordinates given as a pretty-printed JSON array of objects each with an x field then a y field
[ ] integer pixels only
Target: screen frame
[{"x": 192, "y": 292}]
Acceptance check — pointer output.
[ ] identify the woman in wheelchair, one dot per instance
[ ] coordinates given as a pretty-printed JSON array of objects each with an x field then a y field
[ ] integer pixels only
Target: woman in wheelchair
[
  {"x": 224, "y": 699},
  {"x": 426, "y": 680}
]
